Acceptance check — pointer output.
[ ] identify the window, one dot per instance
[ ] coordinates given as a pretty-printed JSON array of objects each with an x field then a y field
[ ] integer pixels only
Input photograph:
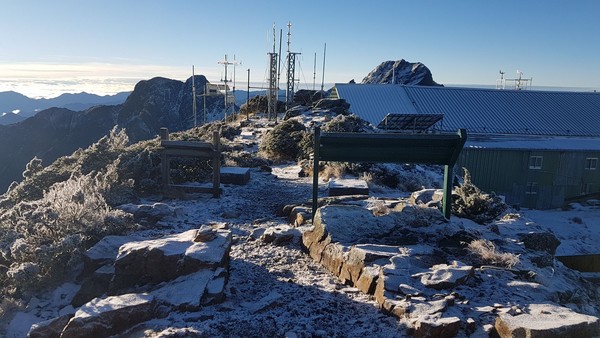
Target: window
[
  {"x": 586, "y": 188},
  {"x": 532, "y": 188},
  {"x": 591, "y": 163},
  {"x": 535, "y": 162}
]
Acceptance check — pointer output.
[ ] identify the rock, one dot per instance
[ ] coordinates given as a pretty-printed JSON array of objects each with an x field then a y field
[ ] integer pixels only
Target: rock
[
  {"x": 437, "y": 327},
  {"x": 110, "y": 316},
  {"x": 543, "y": 260},
  {"x": 164, "y": 259},
  {"x": 205, "y": 234},
  {"x": 368, "y": 279},
  {"x": 215, "y": 289},
  {"x": 362, "y": 255},
  {"x": 546, "y": 320},
  {"x": 444, "y": 276},
  {"x": 425, "y": 196},
  {"x": 540, "y": 241},
  {"x": 298, "y": 215},
  {"x": 104, "y": 252},
  {"x": 94, "y": 286},
  {"x": 268, "y": 301},
  {"x": 194, "y": 285},
  {"x": 332, "y": 257},
  {"x": 50, "y": 328},
  {"x": 306, "y": 97},
  {"x": 150, "y": 212},
  {"x": 280, "y": 235}
]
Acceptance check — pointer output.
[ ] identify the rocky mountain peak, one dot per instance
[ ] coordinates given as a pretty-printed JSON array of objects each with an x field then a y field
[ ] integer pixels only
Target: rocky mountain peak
[{"x": 401, "y": 72}]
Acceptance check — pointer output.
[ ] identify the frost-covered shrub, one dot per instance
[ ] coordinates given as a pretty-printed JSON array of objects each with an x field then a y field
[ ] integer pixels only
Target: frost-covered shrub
[
  {"x": 470, "y": 202},
  {"x": 42, "y": 240},
  {"x": 33, "y": 167},
  {"x": 282, "y": 142},
  {"x": 346, "y": 124}
]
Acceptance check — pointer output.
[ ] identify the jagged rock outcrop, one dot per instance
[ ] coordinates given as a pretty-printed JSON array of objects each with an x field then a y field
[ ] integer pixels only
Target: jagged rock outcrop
[{"x": 401, "y": 72}]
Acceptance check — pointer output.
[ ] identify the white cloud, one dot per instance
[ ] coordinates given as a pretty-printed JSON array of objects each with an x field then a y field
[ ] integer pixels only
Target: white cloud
[{"x": 53, "y": 79}]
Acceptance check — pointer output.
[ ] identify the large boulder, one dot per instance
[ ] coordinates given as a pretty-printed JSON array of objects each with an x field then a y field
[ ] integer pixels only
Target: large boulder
[
  {"x": 164, "y": 259},
  {"x": 401, "y": 72},
  {"x": 337, "y": 106}
]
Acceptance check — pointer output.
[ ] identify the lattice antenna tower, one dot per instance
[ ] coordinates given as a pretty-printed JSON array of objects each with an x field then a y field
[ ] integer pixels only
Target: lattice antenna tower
[{"x": 291, "y": 69}]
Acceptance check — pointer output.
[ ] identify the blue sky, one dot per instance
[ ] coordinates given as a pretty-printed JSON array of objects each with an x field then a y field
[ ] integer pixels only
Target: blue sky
[{"x": 50, "y": 47}]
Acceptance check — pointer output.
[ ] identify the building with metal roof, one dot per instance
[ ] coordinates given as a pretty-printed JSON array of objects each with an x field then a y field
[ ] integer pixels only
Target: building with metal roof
[{"x": 538, "y": 149}]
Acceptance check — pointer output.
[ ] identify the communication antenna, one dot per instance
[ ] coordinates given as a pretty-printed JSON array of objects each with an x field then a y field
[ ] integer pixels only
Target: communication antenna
[
  {"x": 314, "y": 71},
  {"x": 226, "y": 63},
  {"x": 291, "y": 70},
  {"x": 323, "y": 75}
]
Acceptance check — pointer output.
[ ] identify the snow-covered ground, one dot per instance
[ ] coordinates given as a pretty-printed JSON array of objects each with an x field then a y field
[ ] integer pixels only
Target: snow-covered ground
[{"x": 279, "y": 290}]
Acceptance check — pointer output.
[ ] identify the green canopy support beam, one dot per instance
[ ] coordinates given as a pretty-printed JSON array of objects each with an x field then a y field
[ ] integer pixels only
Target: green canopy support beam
[{"x": 440, "y": 149}]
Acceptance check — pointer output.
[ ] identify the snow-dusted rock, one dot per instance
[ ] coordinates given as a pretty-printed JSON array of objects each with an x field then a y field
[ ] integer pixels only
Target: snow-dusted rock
[
  {"x": 94, "y": 286},
  {"x": 546, "y": 320},
  {"x": 437, "y": 327},
  {"x": 272, "y": 299},
  {"x": 49, "y": 328},
  {"x": 444, "y": 276},
  {"x": 425, "y": 196},
  {"x": 104, "y": 252},
  {"x": 109, "y": 316},
  {"x": 279, "y": 235},
  {"x": 150, "y": 212},
  {"x": 164, "y": 259},
  {"x": 185, "y": 293}
]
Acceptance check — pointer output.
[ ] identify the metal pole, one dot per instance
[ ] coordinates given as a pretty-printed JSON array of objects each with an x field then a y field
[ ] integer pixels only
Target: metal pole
[
  {"x": 205, "y": 84},
  {"x": 323, "y": 76},
  {"x": 248, "y": 96}
]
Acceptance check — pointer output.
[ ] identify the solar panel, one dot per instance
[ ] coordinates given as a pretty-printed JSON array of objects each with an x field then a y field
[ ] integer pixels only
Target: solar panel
[{"x": 409, "y": 122}]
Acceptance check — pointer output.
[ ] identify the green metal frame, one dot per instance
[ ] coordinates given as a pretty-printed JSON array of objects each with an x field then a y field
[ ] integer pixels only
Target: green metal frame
[{"x": 442, "y": 149}]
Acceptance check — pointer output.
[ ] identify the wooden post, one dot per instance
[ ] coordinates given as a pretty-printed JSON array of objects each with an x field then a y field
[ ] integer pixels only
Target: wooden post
[
  {"x": 164, "y": 159},
  {"x": 317, "y": 142},
  {"x": 216, "y": 164},
  {"x": 447, "y": 199}
]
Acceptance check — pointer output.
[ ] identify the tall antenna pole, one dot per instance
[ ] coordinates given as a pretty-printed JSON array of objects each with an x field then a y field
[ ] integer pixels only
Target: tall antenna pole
[
  {"x": 226, "y": 63},
  {"x": 291, "y": 70},
  {"x": 248, "y": 96},
  {"x": 272, "y": 92},
  {"x": 323, "y": 76},
  {"x": 194, "y": 97},
  {"x": 315, "y": 71}
]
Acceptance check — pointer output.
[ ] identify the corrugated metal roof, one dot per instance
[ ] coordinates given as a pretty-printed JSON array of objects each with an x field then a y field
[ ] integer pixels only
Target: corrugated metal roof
[
  {"x": 485, "y": 111},
  {"x": 373, "y": 102}
]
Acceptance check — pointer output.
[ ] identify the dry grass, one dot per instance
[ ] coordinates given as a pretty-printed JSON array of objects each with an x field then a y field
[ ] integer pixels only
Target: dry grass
[
  {"x": 378, "y": 207},
  {"x": 332, "y": 171},
  {"x": 486, "y": 251}
]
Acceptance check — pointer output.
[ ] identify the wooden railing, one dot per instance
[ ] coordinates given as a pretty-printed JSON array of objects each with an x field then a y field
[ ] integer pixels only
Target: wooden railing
[{"x": 204, "y": 150}]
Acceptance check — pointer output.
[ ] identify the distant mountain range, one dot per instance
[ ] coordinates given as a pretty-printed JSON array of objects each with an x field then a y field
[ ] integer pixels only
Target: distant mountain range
[{"x": 11, "y": 102}]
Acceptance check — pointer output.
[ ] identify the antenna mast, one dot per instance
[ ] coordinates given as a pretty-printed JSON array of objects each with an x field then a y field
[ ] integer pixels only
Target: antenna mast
[
  {"x": 226, "y": 63},
  {"x": 323, "y": 75},
  {"x": 291, "y": 70}
]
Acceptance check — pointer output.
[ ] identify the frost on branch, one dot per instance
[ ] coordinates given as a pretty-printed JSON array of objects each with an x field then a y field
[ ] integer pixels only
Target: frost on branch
[{"x": 470, "y": 202}]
